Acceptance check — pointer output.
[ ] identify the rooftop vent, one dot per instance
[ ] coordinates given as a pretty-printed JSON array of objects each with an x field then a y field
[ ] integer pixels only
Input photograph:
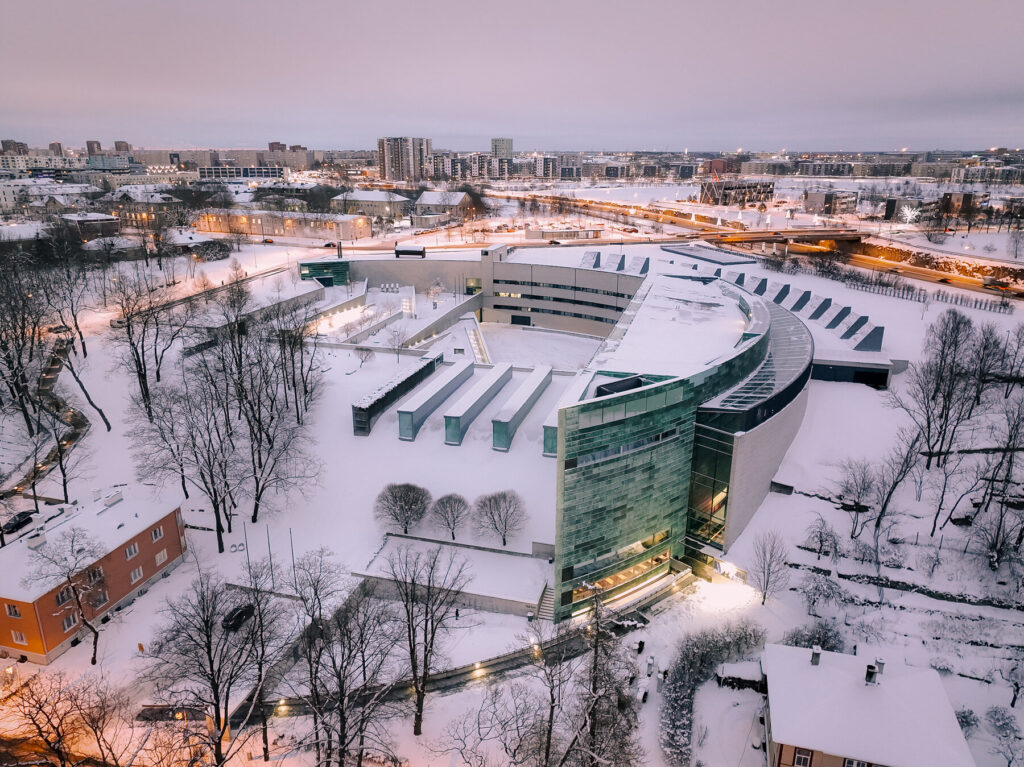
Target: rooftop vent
[
  {"x": 871, "y": 675},
  {"x": 815, "y": 655},
  {"x": 880, "y": 665}
]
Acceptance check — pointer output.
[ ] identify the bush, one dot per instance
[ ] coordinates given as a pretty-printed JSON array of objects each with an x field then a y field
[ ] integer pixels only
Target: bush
[
  {"x": 696, "y": 660},
  {"x": 967, "y": 720},
  {"x": 942, "y": 665},
  {"x": 822, "y": 633},
  {"x": 1002, "y": 722}
]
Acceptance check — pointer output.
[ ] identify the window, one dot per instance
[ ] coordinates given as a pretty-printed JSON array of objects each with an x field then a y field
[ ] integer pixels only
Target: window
[
  {"x": 855, "y": 763},
  {"x": 69, "y": 622},
  {"x": 131, "y": 551},
  {"x": 18, "y": 637},
  {"x": 13, "y": 611},
  {"x": 157, "y": 533},
  {"x": 100, "y": 599},
  {"x": 96, "y": 575},
  {"x": 802, "y": 758},
  {"x": 63, "y": 596},
  {"x": 161, "y": 557},
  {"x": 136, "y": 575}
]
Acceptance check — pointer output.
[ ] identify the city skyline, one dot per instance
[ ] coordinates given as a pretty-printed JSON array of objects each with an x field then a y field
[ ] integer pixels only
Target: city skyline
[{"x": 670, "y": 76}]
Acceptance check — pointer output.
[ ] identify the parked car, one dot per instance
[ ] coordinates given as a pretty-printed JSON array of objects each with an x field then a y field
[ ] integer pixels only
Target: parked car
[
  {"x": 18, "y": 521},
  {"x": 118, "y": 322},
  {"x": 330, "y": 244},
  {"x": 236, "y": 617},
  {"x": 554, "y": 242},
  {"x": 267, "y": 240},
  {"x": 943, "y": 280}
]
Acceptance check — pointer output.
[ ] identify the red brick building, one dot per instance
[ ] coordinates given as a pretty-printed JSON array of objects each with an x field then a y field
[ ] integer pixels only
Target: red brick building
[{"x": 40, "y": 620}]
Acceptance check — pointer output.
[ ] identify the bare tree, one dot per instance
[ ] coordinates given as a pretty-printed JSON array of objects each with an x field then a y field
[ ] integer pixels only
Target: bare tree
[
  {"x": 364, "y": 354},
  {"x": 199, "y": 662},
  {"x": 361, "y": 639},
  {"x": 820, "y": 589},
  {"x": 42, "y": 711},
  {"x": 855, "y": 487},
  {"x": 401, "y": 505},
  {"x": 769, "y": 573},
  {"x": 500, "y": 513},
  {"x": 428, "y": 585},
  {"x": 395, "y": 338},
  {"x": 23, "y": 314},
  {"x": 451, "y": 511},
  {"x": 70, "y": 561},
  {"x": 824, "y": 539},
  {"x": 107, "y": 720},
  {"x": 1014, "y": 676}
]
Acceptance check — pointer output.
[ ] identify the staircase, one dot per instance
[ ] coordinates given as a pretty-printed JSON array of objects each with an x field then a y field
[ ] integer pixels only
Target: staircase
[{"x": 546, "y": 605}]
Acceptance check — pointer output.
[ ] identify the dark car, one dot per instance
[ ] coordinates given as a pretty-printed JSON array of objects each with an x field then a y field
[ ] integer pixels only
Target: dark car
[
  {"x": 330, "y": 244},
  {"x": 236, "y": 617},
  {"x": 554, "y": 242},
  {"x": 267, "y": 240},
  {"x": 943, "y": 280},
  {"x": 18, "y": 521}
]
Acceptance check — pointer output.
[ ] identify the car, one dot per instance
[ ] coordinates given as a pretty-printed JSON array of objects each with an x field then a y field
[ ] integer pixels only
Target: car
[
  {"x": 268, "y": 241},
  {"x": 894, "y": 270},
  {"x": 330, "y": 244},
  {"x": 237, "y": 616},
  {"x": 18, "y": 521},
  {"x": 118, "y": 322},
  {"x": 554, "y": 242},
  {"x": 943, "y": 280}
]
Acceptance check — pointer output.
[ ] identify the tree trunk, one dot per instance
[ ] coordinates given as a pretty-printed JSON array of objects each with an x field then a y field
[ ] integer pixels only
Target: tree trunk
[{"x": 421, "y": 694}]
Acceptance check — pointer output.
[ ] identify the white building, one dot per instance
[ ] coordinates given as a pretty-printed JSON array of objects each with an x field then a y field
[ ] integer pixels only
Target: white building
[{"x": 502, "y": 148}]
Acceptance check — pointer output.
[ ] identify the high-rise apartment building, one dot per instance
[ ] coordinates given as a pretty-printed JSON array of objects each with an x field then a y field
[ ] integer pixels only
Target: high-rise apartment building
[
  {"x": 276, "y": 146},
  {"x": 122, "y": 146},
  {"x": 502, "y": 148},
  {"x": 93, "y": 147},
  {"x": 56, "y": 149},
  {"x": 13, "y": 146},
  {"x": 404, "y": 158}
]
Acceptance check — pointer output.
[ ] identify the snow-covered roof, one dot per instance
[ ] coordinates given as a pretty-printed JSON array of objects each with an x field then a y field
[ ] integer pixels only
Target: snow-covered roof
[
  {"x": 184, "y": 237},
  {"x": 118, "y": 243},
  {"x": 18, "y": 232},
  {"x": 441, "y": 198},
  {"x": 904, "y": 720},
  {"x": 88, "y": 217},
  {"x": 679, "y": 327},
  {"x": 371, "y": 195},
  {"x": 114, "y": 517},
  {"x": 136, "y": 194}
]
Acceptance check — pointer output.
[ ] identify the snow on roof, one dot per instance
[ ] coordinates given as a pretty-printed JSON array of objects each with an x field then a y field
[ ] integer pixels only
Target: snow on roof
[
  {"x": 112, "y": 518},
  {"x": 905, "y": 720},
  {"x": 118, "y": 243},
  {"x": 441, "y": 198},
  {"x": 26, "y": 231},
  {"x": 371, "y": 195},
  {"x": 184, "y": 237},
  {"x": 87, "y": 217},
  {"x": 679, "y": 328}
]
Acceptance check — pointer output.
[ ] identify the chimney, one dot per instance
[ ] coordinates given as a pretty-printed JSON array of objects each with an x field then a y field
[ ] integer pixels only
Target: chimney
[
  {"x": 815, "y": 655},
  {"x": 871, "y": 676},
  {"x": 880, "y": 665}
]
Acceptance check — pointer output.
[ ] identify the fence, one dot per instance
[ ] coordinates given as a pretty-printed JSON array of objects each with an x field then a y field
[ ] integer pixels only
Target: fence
[{"x": 1000, "y": 306}]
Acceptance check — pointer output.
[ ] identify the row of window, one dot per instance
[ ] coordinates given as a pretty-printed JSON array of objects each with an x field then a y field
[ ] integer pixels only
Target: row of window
[
  {"x": 614, "y": 452},
  {"x": 577, "y": 315},
  {"x": 802, "y": 758},
  {"x": 574, "y": 301},
  {"x": 527, "y": 283}
]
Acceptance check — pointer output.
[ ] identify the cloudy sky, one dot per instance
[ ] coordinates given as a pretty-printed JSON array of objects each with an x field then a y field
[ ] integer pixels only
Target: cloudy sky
[{"x": 554, "y": 74}]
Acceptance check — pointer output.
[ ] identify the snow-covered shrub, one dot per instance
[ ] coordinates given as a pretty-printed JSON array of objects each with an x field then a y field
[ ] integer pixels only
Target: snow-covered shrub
[
  {"x": 696, "y": 660},
  {"x": 818, "y": 589},
  {"x": 893, "y": 556},
  {"x": 822, "y": 633},
  {"x": 863, "y": 552},
  {"x": 928, "y": 561},
  {"x": 967, "y": 720},
  {"x": 942, "y": 665},
  {"x": 1002, "y": 723}
]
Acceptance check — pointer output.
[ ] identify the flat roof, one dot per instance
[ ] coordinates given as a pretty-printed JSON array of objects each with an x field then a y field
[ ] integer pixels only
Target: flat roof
[{"x": 905, "y": 720}]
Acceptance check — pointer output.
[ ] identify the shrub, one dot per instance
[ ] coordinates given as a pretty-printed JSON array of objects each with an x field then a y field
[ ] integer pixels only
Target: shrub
[
  {"x": 822, "y": 633},
  {"x": 967, "y": 720}
]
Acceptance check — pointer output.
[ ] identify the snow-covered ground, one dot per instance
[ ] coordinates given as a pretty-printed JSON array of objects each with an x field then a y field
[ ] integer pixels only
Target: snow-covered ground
[{"x": 530, "y": 346}]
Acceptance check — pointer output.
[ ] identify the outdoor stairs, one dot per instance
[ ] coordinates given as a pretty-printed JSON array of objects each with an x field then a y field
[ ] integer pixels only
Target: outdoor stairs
[{"x": 546, "y": 605}]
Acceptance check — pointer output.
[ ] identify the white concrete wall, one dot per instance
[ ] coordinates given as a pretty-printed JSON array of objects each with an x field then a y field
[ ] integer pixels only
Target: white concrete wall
[{"x": 756, "y": 457}]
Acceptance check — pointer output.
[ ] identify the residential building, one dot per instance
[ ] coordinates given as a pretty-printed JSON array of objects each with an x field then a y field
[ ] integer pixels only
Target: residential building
[
  {"x": 273, "y": 223},
  {"x": 12, "y": 146},
  {"x": 140, "y": 540},
  {"x": 767, "y": 167},
  {"x": 277, "y": 146},
  {"x": 219, "y": 172},
  {"x": 501, "y": 148},
  {"x": 108, "y": 162},
  {"x": 122, "y": 146},
  {"x": 824, "y": 168},
  {"x": 90, "y": 225},
  {"x": 93, "y": 147},
  {"x": 18, "y": 192},
  {"x": 43, "y": 165},
  {"x": 143, "y": 206},
  {"x": 830, "y": 203},
  {"x": 404, "y": 158},
  {"x": 375, "y": 203},
  {"x": 829, "y": 709},
  {"x": 56, "y": 149},
  {"x": 455, "y": 204}
]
